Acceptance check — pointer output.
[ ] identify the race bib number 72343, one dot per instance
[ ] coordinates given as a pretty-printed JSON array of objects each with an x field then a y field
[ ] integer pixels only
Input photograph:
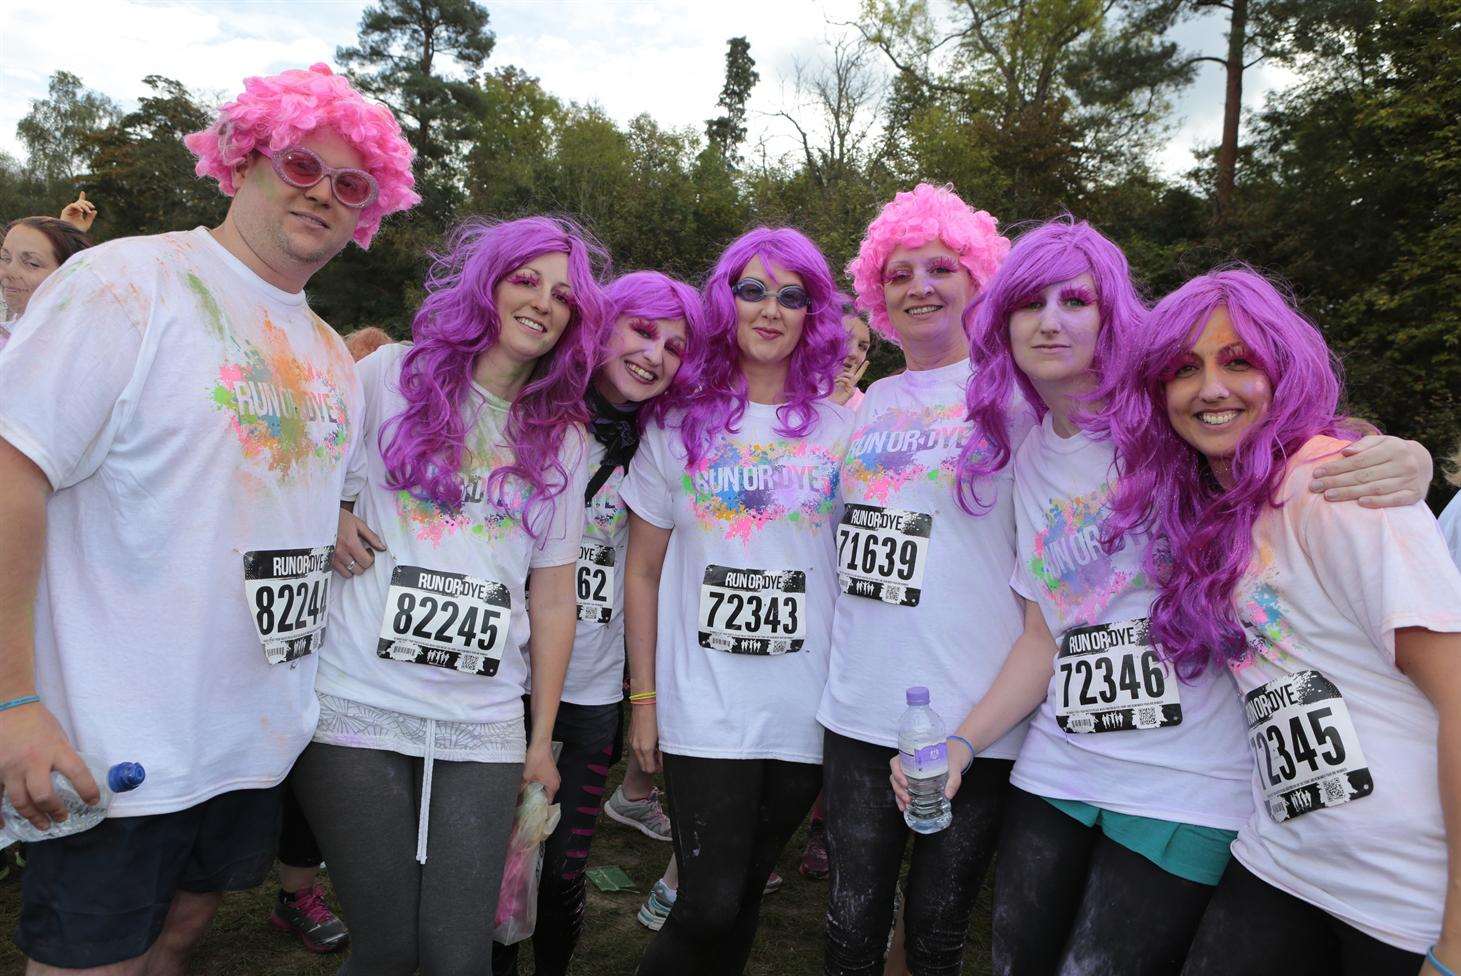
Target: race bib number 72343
[
  {"x": 289, "y": 596},
  {"x": 447, "y": 620},
  {"x": 1305, "y": 745},
  {"x": 1110, "y": 678},
  {"x": 753, "y": 611}
]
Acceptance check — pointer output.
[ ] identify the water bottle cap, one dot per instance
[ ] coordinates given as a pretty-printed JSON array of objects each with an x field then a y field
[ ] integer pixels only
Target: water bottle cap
[
  {"x": 918, "y": 695},
  {"x": 125, "y": 776}
]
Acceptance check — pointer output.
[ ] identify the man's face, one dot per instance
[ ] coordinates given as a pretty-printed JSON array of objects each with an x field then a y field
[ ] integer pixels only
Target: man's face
[{"x": 296, "y": 230}]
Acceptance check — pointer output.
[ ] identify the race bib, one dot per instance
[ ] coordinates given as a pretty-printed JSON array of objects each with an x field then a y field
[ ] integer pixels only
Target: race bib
[
  {"x": 881, "y": 553},
  {"x": 289, "y": 593},
  {"x": 753, "y": 611},
  {"x": 1109, "y": 678},
  {"x": 447, "y": 620},
  {"x": 595, "y": 583},
  {"x": 1305, "y": 745}
]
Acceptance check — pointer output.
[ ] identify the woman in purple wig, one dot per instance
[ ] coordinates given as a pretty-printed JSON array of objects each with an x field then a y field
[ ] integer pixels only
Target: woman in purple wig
[
  {"x": 732, "y": 499},
  {"x": 913, "y": 570},
  {"x": 1129, "y": 784},
  {"x": 471, "y": 468},
  {"x": 1341, "y": 625},
  {"x": 650, "y": 355}
]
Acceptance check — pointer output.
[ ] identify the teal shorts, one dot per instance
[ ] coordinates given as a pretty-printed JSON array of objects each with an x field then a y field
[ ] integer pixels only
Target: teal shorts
[{"x": 1195, "y": 853}]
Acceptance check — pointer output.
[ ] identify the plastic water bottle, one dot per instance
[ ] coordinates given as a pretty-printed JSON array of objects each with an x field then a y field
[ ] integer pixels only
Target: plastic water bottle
[
  {"x": 80, "y": 815},
  {"x": 924, "y": 752}
]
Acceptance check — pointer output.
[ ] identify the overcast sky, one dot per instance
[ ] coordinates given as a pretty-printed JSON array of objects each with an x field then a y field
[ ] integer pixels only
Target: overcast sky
[{"x": 664, "y": 57}]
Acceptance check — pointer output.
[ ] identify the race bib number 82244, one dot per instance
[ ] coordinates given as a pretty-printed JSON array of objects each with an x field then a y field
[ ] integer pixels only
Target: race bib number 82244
[{"x": 289, "y": 596}]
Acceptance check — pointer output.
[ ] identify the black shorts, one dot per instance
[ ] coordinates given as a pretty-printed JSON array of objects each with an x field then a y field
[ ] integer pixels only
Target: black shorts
[{"x": 101, "y": 896}]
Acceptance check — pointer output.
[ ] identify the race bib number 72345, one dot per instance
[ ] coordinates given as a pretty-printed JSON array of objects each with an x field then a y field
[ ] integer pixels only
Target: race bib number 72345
[
  {"x": 289, "y": 596},
  {"x": 1305, "y": 745},
  {"x": 447, "y": 620},
  {"x": 1110, "y": 678},
  {"x": 753, "y": 611}
]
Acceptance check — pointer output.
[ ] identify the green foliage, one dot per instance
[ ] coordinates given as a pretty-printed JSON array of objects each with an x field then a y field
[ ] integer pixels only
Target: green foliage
[
  {"x": 55, "y": 130},
  {"x": 727, "y": 131}
]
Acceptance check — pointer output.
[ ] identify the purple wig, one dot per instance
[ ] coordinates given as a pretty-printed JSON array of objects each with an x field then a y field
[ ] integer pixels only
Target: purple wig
[
  {"x": 1053, "y": 252},
  {"x": 720, "y": 402},
  {"x": 655, "y": 296},
  {"x": 423, "y": 445},
  {"x": 1167, "y": 485},
  {"x": 278, "y": 111},
  {"x": 912, "y": 219}
]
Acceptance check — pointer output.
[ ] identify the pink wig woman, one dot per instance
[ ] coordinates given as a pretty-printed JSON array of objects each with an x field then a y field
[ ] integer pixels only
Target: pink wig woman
[
  {"x": 276, "y": 112},
  {"x": 456, "y": 324}
]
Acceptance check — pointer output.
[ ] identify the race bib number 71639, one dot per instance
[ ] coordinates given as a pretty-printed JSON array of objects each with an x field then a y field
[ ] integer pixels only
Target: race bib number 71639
[
  {"x": 289, "y": 596},
  {"x": 881, "y": 553},
  {"x": 753, "y": 611}
]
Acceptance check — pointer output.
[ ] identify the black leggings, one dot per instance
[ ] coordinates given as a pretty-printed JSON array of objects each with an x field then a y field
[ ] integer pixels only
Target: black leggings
[
  {"x": 1069, "y": 900},
  {"x": 730, "y": 818},
  {"x": 1252, "y": 928},
  {"x": 866, "y": 836},
  {"x": 590, "y": 737},
  {"x": 298, "y": 847}
]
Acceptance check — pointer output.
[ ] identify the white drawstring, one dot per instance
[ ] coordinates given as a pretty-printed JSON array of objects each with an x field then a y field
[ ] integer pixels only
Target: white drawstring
[{"x": 425, "y": 816}]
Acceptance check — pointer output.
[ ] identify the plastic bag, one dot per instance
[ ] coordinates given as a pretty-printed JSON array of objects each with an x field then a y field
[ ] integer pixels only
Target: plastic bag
[{"x": 517, "y": 899}]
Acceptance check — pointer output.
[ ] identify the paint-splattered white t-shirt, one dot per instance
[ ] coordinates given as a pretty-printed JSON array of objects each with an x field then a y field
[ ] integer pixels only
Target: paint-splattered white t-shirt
[
  {"x": 1116, "y": 729},
  {"x": 433, "y": 629},
  {"x": 596, "y": 670},
  {"x": 1348, "y": 811},
  {"x": 195, "y": 424},
  {"x": 746, "y": 592},
  {"x": 924, "y": 595}
]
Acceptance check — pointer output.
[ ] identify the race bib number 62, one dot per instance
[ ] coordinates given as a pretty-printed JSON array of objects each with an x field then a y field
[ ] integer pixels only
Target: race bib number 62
[
  {"x": 753, "y": 611},
  {"x": 447, "y": 620},
  {"x": 289, "y": 596}
]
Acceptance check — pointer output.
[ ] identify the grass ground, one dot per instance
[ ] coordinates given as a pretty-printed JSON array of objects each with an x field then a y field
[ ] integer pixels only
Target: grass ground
[{"x": 789, "y": 943}]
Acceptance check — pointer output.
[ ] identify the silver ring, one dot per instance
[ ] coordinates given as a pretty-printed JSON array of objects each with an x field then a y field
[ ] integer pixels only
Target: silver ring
[{"x": 350, "y": 565}]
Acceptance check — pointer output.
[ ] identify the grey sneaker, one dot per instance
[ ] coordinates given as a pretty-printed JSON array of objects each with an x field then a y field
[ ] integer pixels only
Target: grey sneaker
[
  {"x": 306, "y": 916},
  {"x": 645, "y": 816},
  {"x": 656, "y": 907}
]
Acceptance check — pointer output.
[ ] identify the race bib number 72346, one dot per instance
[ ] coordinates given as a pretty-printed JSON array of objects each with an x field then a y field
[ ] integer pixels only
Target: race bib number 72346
[
  {"x": 1305, "y": 745},
  {"x": 1110, "y": 678},
  {"x": 447, "y": 620},
  {"x": 289, "y": 596},
  {"x": 753, "y": 611}
]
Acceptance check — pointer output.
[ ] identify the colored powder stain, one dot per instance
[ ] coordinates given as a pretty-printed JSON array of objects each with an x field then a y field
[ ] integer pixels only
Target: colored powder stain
[
  {"x": 213, "y": 315},
  {"x": 483, "y": 519},
  {"x": 1080, "y": 580},
  {"x": 757, "y": 484}
]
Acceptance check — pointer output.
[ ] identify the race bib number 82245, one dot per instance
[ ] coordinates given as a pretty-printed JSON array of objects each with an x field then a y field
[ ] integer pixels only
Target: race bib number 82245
[{"x": 447, "y": 620}]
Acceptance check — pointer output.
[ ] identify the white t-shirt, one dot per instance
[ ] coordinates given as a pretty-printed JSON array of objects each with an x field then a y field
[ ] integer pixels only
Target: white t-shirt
[
  {"x": 433, "y": 628},
  {"x": 924, "y": 595},
  {"x": 1450, "y": 523},
  {"x": 1156, "y": 746},
  {"x": 749, "y": 578},
  {"x": 1358, "y": 834},
  {"x": 195, "y": 423},
  {"x": 596, "y": 670}
]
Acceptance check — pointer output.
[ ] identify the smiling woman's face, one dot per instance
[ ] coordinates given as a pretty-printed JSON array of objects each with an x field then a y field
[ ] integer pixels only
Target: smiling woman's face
[
  {"x": 766, "y": 331},
  {"x": 26, "y": 260}
]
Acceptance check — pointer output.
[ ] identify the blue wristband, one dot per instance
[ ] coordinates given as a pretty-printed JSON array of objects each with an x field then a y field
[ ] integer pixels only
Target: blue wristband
[
  {"x": 1440, "y": 967},
  {"x": 17, "y": 702},
  {"x": 972, "y": 754}
]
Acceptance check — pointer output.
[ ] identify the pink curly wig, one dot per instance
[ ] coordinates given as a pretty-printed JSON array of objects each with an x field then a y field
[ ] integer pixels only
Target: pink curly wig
[
  {"x": 1055, "y": 251},
  {"x": 278, "y": 111},
  {"x": 912, "y": 219},
  {"x": 1166, "y": 484},
  {"x": 720, "y": 402}
]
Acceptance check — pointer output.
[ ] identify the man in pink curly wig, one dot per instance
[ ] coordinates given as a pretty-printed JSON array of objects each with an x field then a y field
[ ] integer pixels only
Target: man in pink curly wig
[{"x": 175, "y": 428}]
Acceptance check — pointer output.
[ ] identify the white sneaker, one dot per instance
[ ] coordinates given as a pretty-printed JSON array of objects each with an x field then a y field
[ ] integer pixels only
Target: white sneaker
[
  {"x": 656, "y": 907},
  {"x": 645, "y": 816}
]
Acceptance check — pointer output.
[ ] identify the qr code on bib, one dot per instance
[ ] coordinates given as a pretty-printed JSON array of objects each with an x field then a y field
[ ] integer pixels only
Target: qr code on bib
[
  {"x": 1147, "y": 716},
  {"x": 1335, "y": 789},
  {"x": 892, "y": 593}
]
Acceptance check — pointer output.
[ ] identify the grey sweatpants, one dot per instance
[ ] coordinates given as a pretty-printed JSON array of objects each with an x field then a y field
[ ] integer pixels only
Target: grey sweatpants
[{"x": 364, "y": 807}]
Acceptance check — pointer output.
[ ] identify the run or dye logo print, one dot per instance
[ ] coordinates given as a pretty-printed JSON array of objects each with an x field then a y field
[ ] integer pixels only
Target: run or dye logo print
[
  {"x": 286, "y": 412},
  {"x": 489, "y": 520},
  {"x": 745, "y": 486},
  {"x": 1263, "y": 615},
  {"x": 1079, "y": 578},
  {"x": 606, "y": 512},
  {"x": 900, "y": 447}
]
